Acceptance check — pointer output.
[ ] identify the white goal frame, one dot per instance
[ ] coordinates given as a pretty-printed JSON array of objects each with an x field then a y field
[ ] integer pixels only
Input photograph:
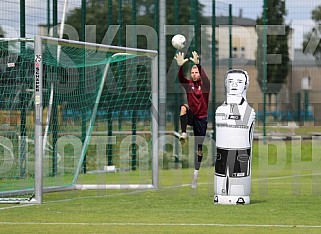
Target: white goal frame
[{"x": 37, "y": 197}]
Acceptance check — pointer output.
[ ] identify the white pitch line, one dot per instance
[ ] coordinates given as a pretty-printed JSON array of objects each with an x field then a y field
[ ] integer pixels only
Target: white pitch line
[
  {"x": 167, "y": 224},
  {"x": 19, "y": 206},
  {"x": 285, "y": 177},
  {"x": 74, "y": 199},
  {"x": 96, "y": 196}
]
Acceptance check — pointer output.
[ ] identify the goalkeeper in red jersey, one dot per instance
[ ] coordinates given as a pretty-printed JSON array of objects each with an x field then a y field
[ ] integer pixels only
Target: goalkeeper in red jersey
[{"x": 195, "y": 112}]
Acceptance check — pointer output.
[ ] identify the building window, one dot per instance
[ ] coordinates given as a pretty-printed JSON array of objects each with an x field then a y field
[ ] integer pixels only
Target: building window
[
  {"x": 242, "y": 52},
  {"x": 234, "y": 54}
]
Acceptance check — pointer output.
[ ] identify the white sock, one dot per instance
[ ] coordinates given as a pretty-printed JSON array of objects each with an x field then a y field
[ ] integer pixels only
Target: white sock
[{"x": 196, "y": 172}]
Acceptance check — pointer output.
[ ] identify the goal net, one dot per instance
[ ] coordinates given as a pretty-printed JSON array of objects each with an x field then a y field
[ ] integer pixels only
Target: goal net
[{"x": 76, "y": 115}]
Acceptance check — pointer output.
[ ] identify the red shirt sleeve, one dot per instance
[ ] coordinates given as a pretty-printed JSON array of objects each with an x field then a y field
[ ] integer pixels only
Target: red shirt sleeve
[
  {"x": 182, "y": 79},
  {"x": 205, "y": 80}
]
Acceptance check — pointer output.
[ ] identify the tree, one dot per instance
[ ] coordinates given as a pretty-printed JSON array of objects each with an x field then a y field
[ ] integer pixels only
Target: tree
[
  {"x": 276, "y": 44},
  {"x": 146, "y": 10},
  {"x": 2, "y": 32},
  {"x": 97, "y": 14},
  {"x": 314, "y": 35}
]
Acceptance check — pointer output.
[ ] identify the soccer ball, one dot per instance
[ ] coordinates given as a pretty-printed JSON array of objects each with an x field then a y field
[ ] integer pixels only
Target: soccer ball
[{"x": 178, "y": 41}]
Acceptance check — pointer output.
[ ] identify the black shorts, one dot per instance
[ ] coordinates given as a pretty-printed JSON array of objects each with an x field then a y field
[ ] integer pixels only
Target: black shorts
[{"x": 199, "y": 124}]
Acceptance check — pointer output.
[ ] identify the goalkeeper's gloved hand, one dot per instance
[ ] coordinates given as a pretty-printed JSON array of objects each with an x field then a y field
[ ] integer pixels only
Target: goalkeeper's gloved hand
[
  {"x": 195, "y": 58},
  {"x": 180, "y": 59}
]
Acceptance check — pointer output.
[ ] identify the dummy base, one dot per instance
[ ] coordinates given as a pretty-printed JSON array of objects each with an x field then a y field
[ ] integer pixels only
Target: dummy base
[{"x": 231, "y": 200}]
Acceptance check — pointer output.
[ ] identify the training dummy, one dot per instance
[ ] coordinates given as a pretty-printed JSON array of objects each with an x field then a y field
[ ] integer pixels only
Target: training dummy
[{"x": 234, "y": 133}]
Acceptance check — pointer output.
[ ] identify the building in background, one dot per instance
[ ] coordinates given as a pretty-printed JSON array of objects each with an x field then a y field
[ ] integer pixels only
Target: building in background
[{"x": 244, "y": 46}]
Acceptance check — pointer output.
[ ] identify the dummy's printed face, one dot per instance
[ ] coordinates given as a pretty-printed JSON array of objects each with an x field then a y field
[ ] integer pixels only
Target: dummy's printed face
[
  {"x": 195, "y": 74},
  {"x": 235, "y": 83}
]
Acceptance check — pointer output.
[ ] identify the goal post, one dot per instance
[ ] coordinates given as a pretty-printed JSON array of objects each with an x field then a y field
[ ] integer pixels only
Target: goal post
[
  {"x": 103, "y": 130},
  {"x": 38, "y": 100}
]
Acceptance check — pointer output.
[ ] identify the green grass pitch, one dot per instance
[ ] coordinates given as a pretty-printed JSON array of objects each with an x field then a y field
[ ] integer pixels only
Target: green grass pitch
[{"x": 283, "y": 200}]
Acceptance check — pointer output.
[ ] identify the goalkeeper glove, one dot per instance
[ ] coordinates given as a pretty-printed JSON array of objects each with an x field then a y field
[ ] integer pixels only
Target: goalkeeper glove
[
  {"x": 195, "y": 58},
  {"x": 180, "y": 59}
]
